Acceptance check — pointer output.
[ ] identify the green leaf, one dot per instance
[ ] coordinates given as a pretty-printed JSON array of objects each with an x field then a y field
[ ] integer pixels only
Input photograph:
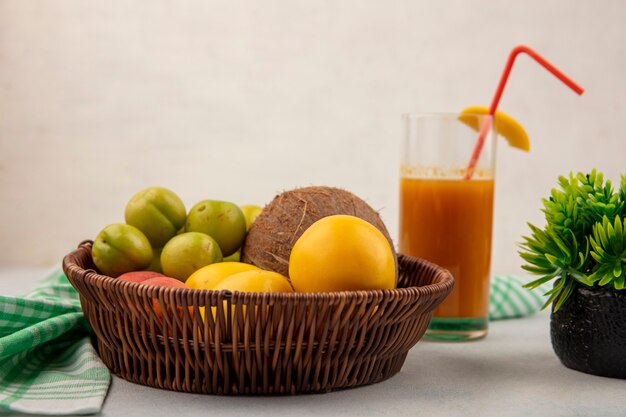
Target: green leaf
[
  {"x": 558, "y": 286},
  {"x": 601, "y": 234},
  {"x": 534, "y": 246},
  {"x": 539, "y": 236},
  {"x": 564, "y": 295},
  {"x": 610, "y": 232},
  {"x": 593, "y": 278},
  {"x": 537, "y": 270},
  {"x": 619, "y": 232},
  {"x": 535, "y": 259},
  {"x": 534, "y": 284},
  {"x": 596, "y": 246},
  {"x": 553, "y": 259},
  {"x": 579, "y": 276},
  {"x": 622, "y": 191},
  {"x": 596, "y": 256},
  {"x": 606, "y": 278},
  {"x": 619, "y": 235},
  {"x": 562, "y": 246},
  {"x": 584, "y": 239},
  {"x": 556, "y": 295}
]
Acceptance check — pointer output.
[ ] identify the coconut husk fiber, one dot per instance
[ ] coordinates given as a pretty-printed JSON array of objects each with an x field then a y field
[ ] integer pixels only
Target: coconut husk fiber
[{"x": 280, "y": 224}]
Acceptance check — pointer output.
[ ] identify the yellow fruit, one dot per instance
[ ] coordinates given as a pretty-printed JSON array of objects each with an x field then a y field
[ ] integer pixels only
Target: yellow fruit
[
  {"x": 251, "y": 212},
  {"x": 255, "y": 281},
  {"x": 250, "y": 281},
  {"x": 342, "y": 253},
  {"x": 207, "y": 277},
  {"x": 506, "y": 126}
]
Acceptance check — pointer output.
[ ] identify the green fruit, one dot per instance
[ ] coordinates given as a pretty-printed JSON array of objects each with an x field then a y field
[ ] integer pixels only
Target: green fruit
[
  {"x": 155, "y": 265},
  {"x": 251, "y": 213},
  {"x": 157, "y": 212},
  {"x": 235, "y": 257},
  {"x": 184, "y": 254},
  {"x": 121, "y": 248},
  {"x": 223, "y": 221}
]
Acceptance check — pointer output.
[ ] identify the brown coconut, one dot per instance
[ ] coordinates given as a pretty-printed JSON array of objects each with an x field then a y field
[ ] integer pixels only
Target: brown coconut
[{"x": 280, "y": 224}]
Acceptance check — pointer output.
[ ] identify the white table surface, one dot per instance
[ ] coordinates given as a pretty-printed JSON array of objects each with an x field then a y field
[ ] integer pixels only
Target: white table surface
[{"x": 513, "y": 372}]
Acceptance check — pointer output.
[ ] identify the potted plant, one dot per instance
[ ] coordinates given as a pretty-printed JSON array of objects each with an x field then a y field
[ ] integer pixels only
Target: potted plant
[{"x": 582, "y": 249}]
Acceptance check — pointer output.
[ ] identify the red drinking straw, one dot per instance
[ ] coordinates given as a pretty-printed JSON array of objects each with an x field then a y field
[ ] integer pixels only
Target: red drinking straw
[{"x": 496, "y": 98}]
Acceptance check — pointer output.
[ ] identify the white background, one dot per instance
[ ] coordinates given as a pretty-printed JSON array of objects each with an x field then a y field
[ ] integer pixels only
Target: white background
[{"x": 240, "y": 100}]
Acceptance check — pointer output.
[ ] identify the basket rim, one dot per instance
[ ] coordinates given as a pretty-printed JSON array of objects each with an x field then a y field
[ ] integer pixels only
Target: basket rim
[{"x": 444, "y": 282}]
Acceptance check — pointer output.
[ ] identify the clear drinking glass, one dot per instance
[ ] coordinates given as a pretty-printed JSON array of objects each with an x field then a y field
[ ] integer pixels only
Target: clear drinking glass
[{"x": 446, "y": 217}]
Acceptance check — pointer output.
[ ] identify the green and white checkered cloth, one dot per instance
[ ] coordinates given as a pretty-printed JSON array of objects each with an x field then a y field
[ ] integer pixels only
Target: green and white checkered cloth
[
  {"x": 508, "y": 299},
  {"x": 47, "y": 362},
  {"x": 48, "y": 365}
]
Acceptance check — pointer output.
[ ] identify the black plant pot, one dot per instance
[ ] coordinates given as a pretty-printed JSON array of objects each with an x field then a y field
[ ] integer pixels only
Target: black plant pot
[{"x": 589, "y": 332}]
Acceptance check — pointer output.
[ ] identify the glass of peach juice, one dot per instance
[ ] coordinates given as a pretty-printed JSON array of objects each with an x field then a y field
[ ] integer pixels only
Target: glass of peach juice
[{"x": 446, "y": 214}]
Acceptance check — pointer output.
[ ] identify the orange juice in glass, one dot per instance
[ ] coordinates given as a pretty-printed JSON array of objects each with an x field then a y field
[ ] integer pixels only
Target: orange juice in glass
[{"x": 446, "y": 217}]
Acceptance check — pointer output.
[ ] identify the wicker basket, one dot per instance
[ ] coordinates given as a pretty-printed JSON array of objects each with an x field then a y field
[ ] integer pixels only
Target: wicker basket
[{"x": 255, "y": 343}]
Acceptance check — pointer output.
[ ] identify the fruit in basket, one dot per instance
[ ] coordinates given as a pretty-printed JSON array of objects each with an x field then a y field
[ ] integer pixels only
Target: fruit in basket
[
  {"x": 222, "y": 220},
  {"x": 208, "y": 276},
  {"x": 342, "y": 253},
  {"x": 235, "y": 257},
  {"x": 251, "y": 212},
  {"x": 158, "y": 212},
  {"x": 155, "y": 265},
  {"x": 164, "y": 281},
  {"x": 255, "y": 281},
  {"x": 121, "y": 248},
  {"x": 138, "y": 276},
  {"x": 274, "y": 232},
  {"x": 184, "y": 254}
]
